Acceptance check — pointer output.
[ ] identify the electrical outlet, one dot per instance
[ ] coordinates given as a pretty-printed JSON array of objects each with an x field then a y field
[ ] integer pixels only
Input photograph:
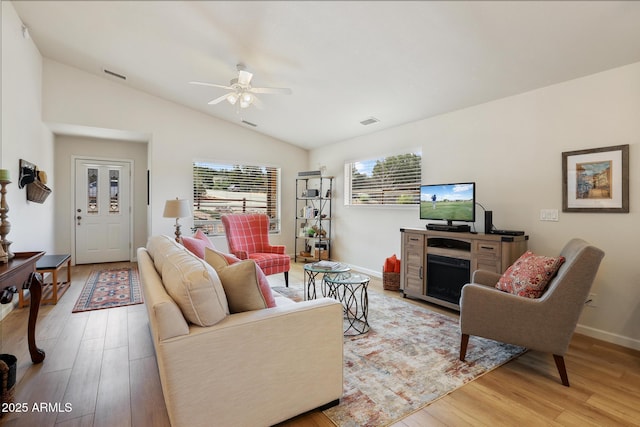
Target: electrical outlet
[
  {"x": 592, "y": 301},
  {"x": 548, "y": 214}
]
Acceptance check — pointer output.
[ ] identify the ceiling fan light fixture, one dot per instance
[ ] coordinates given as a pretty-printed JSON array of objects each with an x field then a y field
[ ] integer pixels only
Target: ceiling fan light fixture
[
  {"x": 246, "y": 99},
  {"x": 232, "y": 98}
]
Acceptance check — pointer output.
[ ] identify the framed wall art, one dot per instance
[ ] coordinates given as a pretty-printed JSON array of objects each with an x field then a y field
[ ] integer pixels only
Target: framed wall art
[{"x": 596, "y": 180}]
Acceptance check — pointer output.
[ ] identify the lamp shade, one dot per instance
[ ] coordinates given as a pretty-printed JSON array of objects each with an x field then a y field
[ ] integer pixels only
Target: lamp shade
[{"x": 178, "y": 208}]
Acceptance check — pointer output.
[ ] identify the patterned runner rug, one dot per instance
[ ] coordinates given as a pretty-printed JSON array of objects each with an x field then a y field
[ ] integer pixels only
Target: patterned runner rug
[
  {"x": 110, "y": 288},
  {"x": 407, "y": 360}
]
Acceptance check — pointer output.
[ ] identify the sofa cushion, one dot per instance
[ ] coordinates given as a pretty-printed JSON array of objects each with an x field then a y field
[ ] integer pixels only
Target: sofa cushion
[
  {"x": 195, "y": 286},
  {"x": 219, "y": 260},
  {"x": 159, "y": 247},
  {"x": 530, "y": 275},
  {"x": 197, "y": 243}
]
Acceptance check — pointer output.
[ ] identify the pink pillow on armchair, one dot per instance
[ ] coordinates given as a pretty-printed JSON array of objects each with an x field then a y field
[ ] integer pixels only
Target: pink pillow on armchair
[
  {"x": 530, "y": 275},
  {"x": 197, "y": 243}
]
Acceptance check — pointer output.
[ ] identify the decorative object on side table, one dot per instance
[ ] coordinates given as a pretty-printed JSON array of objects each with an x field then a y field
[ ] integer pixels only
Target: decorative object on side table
[
  {"x": 178, "y": 208},
  {"x": 5, "y": 225},
  {"x": 596, "y": 180}
]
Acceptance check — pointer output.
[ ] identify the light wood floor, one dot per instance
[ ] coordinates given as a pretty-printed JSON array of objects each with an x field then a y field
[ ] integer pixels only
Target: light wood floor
[{"x": 103, "y": 364}]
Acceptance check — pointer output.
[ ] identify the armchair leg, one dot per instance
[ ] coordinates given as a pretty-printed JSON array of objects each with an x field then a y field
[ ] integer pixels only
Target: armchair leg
[
  {"x": 562, "y": 370},
  {"x": 286, "y": 278},
  {"x": 464, "y": 341}
]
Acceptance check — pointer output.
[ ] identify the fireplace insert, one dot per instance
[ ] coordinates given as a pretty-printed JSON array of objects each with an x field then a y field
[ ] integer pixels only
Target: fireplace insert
[{"x": 446, "y": 276}]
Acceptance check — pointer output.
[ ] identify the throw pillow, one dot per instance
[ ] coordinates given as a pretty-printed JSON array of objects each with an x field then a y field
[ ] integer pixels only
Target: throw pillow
[
  {"x": 220, "y": 261},
  {"x": 390, "y": 264},
  {"x": 530, "y": 275},
  {"x": 197, "y": 243},
  {"x": 241, "y": 286},
  {"x": 195, "y": 286}
]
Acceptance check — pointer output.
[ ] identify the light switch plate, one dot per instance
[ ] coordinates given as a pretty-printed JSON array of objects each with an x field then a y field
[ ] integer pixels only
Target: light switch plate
[{"x": 548, "y": 214}]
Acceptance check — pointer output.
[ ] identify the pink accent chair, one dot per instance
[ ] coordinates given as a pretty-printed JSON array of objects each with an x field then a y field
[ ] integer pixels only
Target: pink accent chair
[{"x": 248, "y": 238}]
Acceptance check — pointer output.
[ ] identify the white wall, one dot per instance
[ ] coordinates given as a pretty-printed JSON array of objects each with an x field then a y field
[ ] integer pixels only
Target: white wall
[
  {"x": 69, "y": 147},
  {"x": 24, "y": 136},
  {"x": 512, "y": 149},
  {"x": 179, "y": 135}
]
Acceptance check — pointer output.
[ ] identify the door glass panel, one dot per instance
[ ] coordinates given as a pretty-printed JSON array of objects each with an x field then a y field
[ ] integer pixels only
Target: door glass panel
[
  {"x": 92, "y": 191},
  {"x": 114, "y": 191}
]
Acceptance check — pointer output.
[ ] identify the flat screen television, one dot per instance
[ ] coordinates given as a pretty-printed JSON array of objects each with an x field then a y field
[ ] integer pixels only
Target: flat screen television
[{"x": 448, "y": 202}]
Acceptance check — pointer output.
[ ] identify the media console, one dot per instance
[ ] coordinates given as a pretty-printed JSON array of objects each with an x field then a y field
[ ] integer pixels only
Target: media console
[{"x": 436, "y": 264}]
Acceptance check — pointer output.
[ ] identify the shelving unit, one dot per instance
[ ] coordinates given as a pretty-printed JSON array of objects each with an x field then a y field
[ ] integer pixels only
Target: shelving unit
[{"x": 313, "y": 218}]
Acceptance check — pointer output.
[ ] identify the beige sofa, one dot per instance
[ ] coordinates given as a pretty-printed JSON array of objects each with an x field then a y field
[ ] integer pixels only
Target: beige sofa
[{"x": 255, "y": 368}]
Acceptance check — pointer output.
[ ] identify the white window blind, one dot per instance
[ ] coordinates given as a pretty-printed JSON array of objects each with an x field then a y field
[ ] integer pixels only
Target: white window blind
[
  {"x": 390, "y": 180},
  {"x": 220, "y": 188}
]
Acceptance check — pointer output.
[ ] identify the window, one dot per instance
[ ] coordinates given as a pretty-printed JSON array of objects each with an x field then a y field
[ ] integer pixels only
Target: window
[
  {"x": 220, "y": 188},
  {"x": 391, "y": 180}
]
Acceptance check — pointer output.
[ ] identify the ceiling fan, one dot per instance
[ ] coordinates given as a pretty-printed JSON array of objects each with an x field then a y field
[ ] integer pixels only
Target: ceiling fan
[{"x": 242, "y": 93}]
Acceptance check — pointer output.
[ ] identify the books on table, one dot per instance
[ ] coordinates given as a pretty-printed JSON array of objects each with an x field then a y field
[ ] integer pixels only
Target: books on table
[{"x": 326, "y": 265}]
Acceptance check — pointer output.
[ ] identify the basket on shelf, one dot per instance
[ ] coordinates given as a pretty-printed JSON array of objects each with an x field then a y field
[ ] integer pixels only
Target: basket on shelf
[
  {"x": 8, "y": 364},
  {"x": 390, "y": 281},
  {"x": 37, "y": 192}
]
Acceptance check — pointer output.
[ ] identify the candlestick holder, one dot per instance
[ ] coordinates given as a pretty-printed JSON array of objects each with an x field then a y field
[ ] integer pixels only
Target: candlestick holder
[{"x": 5, "y": 225}]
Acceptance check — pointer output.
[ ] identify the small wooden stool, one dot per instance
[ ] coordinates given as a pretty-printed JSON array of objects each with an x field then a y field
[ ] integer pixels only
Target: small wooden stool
[{"x": 50, "y": 264}]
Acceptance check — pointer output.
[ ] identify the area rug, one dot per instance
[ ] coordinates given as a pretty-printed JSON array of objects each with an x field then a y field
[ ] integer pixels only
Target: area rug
[
  {"x": 110, "y": 288},
  {"x": 407, "y": 360}
]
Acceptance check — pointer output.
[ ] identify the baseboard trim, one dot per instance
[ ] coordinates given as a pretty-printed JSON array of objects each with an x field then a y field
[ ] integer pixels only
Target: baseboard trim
[
  {"x": 608, "y": 337},
  {"x": 367, "y": 271}
]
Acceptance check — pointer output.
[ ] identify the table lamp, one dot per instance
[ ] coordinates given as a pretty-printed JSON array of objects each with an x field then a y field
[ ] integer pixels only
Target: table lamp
[{"x": 178, "y": 208}]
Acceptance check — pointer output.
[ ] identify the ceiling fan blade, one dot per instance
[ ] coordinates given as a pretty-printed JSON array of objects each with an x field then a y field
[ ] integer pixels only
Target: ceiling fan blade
[
  {"x": 210, "y": 84},
  {"x": 219, "y": 99},
  {"x": 279, "y": 90},
  {"x": 244, "y": 78}
]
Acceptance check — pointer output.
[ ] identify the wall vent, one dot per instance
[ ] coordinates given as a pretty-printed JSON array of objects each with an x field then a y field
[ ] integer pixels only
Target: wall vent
[
  {"x": 369, "y": 121},
  {"x": 249, "y": 123},
  {"x": 114, "y": 74}
]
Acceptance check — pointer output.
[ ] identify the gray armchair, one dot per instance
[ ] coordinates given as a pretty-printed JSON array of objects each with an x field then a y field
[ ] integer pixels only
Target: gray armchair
[{"x": 544, "y": 324}]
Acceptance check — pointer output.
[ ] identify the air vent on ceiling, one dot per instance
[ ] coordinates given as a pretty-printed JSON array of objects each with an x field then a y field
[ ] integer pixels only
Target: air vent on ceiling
[
  {"x": 369, "y": 121},
  {"x": 114, "y": 74},
  {"x": 249, "y": 123}
]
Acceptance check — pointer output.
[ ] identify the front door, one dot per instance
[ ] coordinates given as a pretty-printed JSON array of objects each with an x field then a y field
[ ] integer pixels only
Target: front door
[{"x": 102, "y": 211}]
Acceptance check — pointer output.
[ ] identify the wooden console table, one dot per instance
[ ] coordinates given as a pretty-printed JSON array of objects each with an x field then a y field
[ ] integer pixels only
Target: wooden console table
[{"x": 20, "y": 272}]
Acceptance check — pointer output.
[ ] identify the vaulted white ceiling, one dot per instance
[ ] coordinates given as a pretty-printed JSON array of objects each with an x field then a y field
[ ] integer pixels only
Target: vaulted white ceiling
[{"x": 345, "y": 61}]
